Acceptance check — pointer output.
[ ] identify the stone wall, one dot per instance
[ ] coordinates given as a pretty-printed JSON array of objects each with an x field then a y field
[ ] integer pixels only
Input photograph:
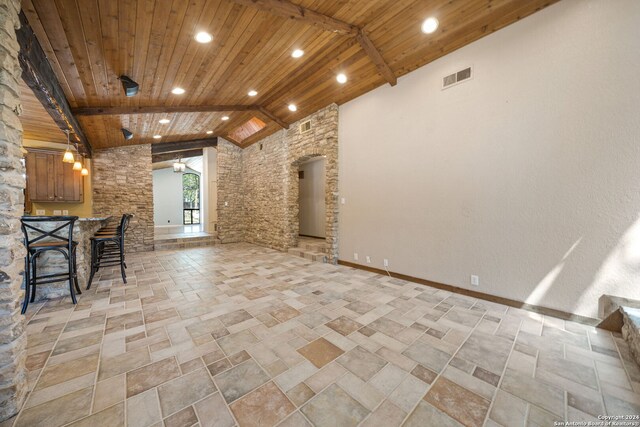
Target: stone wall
[
  {"x": 270, "y": 181},
  {"x": 264, "y": 186},
  {"x": 13, "y": 340},
  {"x": 231, "y": 211},
  {"x": 123, "y": 183}
]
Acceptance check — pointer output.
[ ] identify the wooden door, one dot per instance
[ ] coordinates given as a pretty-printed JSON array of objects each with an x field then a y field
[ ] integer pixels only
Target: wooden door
[
  {"x": 41, "y": 177},
  {"x": 68, "y": 182}
]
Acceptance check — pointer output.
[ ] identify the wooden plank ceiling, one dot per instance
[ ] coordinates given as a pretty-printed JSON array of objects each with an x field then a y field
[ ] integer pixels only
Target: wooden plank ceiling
[
  {"x": 91, "y": 42},
  {"x": 36, "y": 122}
]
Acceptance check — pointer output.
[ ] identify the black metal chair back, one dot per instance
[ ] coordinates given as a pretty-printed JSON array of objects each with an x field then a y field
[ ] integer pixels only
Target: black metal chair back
[{"x": 35, "y": 236}]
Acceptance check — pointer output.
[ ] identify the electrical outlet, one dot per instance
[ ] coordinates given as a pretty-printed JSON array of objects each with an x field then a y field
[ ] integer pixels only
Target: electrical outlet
[
  {"x": 57, "y": 212},
  {"x": 386, "y": 262},
  {"x": 343, "y": 201},
  {"x": 65, "y": 212},
  {"x": 355, "y": 256},
  {"x": 475, "y": 280},
  {"x": 368, "y": 259},
  {"x": 40, "y": 212}
]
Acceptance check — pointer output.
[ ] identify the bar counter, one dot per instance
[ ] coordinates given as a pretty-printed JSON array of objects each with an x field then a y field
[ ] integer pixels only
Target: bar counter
[{"x": 52, "y": 262}]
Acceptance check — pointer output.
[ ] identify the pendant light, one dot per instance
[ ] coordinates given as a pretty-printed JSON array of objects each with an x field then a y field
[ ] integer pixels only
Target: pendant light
[
  {"x": 68, "y": 155},
  {"x": 179, "y": 166},
  {"x": 77, "y": 165},
  {"x": 84, "y": 171}
]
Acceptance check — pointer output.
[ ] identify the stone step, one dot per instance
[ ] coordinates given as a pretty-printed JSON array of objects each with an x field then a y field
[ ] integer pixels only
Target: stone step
[
  {"x": 314, "y": 247},
  {"x": 185, "y": 242},
  {"x": 308, "y": 254}
]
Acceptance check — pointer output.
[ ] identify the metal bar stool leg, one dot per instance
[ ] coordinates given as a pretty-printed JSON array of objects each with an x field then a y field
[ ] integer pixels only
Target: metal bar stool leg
[
  {"x": 75, "y": 273},
  {"x": 71, "y": 287},
  {"x": 124, "y": 275},
  {"x": 27, "y": 283},
  {"x": 34, "y": 276},
  {"x": 93, "y": 263}
]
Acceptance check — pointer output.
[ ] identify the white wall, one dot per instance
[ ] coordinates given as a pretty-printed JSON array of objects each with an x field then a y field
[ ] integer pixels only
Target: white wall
[
  {"x": 528, "y": 175},
  {"x": 167, "y": 196},
  {"x": 312, "y": 214},
  {"x": 210, "y": 188}
]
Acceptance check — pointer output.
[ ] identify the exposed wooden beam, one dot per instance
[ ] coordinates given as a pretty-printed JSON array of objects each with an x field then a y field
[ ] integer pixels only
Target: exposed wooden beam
[
  {"x": 273, "y": 117},
  {"x": 376, "y": 58},
  {"x": 289, "y": 10},
  {"x": 157, "y": 158},
  {"x": 39, "y": 76},
  {"x": 106, "y": 111},
  {"x": 171, "y": 147}
]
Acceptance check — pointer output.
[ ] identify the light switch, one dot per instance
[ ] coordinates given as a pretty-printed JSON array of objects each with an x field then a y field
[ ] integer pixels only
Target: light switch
[
  {"x": 65, "y": 212},
  {"x": 343, "y": 201}
]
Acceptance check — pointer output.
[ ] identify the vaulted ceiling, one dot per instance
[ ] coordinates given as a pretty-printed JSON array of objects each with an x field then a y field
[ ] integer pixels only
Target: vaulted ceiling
[{"x": 90, "y": 43}]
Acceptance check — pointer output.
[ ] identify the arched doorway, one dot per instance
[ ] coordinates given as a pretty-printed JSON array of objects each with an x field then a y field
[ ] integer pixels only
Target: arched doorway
[{"x": 190, "y": 199}]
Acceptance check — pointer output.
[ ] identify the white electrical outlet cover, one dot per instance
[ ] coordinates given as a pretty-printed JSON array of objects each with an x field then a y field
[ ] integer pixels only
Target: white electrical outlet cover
[
  {"x": 40, "y": 212},
  {"x": 355, "y": 256},
  {"x": 368, "y": 259}
]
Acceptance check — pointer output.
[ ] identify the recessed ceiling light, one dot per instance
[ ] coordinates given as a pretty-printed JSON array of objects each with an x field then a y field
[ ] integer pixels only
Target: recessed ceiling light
[
  {"x": 341, "y": 78},
  {"x": 225, "y": 118},
  {"x": 297, "y": 53},
  {"x": 177, "y": 91},
  {"x": 252, "y": 93},
  {"x": 203, "y": 37},
  {"x": 292, "y": 107},
  {"x": 430, "y": 25},
  {"x": 157, "y": 136},
  {"x": 209, "y": 132},
  {"x": 164, "y": 121}
]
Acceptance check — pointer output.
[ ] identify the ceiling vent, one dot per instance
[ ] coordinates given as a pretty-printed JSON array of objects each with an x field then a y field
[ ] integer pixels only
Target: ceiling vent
[
  {"x": 305, "y": 126},
  {"x": 455, "y": 78}
]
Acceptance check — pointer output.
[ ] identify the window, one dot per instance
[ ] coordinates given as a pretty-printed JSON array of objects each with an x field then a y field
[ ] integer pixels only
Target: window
[{"x": 191, "y": 198}]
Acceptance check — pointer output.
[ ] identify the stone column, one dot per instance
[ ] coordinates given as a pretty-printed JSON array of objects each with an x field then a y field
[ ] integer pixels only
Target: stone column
[{"x": 13, "y": 339}]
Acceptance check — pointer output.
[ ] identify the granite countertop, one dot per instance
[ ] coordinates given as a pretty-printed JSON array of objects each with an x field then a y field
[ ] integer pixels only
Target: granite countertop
[{"x": 94, "y": 219}]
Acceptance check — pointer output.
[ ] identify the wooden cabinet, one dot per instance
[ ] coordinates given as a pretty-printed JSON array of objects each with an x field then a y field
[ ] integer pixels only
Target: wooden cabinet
[{"x": 51, "y": 180}]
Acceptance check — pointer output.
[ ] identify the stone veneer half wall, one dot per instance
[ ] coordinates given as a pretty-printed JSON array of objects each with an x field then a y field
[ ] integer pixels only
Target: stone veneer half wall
[
  {"x": 13, "y": 340},
  {"x": 270, "y": 182},
  {"x": 123, "y": 183}
]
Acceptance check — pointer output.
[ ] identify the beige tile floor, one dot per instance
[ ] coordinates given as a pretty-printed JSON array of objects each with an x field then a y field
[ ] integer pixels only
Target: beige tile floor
[{"x": 243, "y": 335}]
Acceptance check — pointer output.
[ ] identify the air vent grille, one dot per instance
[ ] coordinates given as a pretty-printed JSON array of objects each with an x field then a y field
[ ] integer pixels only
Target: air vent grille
[
  {"x": 305, "y": 126},
  {"x": 455, "y": 78}
]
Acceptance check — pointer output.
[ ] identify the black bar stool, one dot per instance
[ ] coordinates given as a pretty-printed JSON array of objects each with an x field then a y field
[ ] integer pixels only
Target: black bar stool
[
  {"x": 107, "y": 248},
  {"x": 38, "y": 241}
]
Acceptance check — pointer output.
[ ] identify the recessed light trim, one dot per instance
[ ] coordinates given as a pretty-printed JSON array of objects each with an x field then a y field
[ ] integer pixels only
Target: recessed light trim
[
  {"x": 342, "y": 78},
  {"x": 225, "y": 118},
  {"x": 297, "y": 53},
  {"x": 157, "y": 136},
  {"x": 164, "y": 121},
  {"x": 293, "y": 107},
  {"x": 177, "y": 91},
  {"x": 430, "y": 25},
  {"x": 252, "y": 92},
  {"x": 203, "y": 37}
]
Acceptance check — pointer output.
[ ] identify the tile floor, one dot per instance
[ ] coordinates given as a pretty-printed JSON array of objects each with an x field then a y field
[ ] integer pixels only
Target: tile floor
[{"x": 243, "y": 335}]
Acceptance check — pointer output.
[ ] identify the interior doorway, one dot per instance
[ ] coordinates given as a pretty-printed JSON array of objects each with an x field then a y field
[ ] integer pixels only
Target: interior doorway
[{"x": 311, "y": 198}]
